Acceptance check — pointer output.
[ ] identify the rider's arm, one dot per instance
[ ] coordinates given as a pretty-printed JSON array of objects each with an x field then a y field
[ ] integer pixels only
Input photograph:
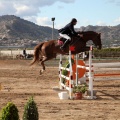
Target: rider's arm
[{"x": 73, "y": 31}]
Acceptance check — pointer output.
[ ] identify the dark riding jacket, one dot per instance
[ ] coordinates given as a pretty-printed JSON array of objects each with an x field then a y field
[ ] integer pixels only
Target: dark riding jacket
[
  {"x": 24, "y": 52},
  {"x": 69, "y": 30}
]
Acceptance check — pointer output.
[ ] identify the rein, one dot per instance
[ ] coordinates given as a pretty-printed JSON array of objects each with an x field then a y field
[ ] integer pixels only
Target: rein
[{"x": 75, "y": 41}]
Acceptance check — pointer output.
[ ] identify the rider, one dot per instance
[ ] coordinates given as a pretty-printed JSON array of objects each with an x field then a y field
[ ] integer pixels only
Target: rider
[
  {"x": 67, "y": 32},
  {"x": 24, "y": 53}
]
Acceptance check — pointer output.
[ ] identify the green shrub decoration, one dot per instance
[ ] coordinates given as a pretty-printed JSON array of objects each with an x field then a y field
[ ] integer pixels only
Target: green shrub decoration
[
  {"x": 10, "y": 112},
  {"x": 80, "y": 88},
  {"x": 30, "y": 110},
  {"x": 66, "y": 65}
]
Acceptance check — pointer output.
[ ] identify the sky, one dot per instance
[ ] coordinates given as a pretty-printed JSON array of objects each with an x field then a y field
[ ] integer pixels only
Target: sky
[{"x": 87, "y": 12}]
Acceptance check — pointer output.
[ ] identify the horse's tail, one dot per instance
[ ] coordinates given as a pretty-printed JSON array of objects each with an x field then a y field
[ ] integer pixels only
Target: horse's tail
[{"x": 37, "y": 52}]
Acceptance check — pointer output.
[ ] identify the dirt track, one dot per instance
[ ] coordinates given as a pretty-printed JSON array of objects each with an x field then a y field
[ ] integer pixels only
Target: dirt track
[{"x": 19, "y": 82}]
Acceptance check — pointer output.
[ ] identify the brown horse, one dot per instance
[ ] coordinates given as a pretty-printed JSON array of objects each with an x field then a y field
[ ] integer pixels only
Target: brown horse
[{"x": 48, "y": 50}]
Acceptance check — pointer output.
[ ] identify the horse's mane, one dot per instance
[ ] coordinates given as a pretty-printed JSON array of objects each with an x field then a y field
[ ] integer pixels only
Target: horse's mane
[{"x": 87, "y": 32}]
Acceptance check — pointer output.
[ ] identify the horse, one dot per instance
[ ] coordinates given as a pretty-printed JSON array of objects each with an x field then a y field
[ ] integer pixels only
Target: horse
[
  {"x": 30, "y": 55},
  {"x": 48, "y": 50},
  {"x": 20, "y": 56}
]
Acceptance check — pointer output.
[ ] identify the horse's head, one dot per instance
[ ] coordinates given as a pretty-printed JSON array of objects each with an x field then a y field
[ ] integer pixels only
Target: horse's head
[
  {"x": 94, "y": 36},
  {"x": 97, "y": 40}
]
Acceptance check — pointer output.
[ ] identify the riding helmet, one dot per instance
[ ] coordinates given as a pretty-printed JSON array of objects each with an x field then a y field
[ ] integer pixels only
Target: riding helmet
[{"x": 73, "y": 20}]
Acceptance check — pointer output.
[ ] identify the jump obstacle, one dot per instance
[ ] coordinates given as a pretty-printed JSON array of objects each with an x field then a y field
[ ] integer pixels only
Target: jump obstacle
[
  {"x": 70, "y": 78},
  {"x": 76, "y": 70}
]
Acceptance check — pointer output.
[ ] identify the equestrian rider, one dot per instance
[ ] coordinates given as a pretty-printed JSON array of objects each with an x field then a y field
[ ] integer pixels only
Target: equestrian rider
[
  {"x": 24, "y": 53},
  {"x": 67, "y": 32}
]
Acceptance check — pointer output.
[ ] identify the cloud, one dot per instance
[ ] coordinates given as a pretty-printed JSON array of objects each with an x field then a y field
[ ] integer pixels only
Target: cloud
[
  {"x": 24, "y": 10},
  {"x": 6, "y": 8},
  {"x": 100, "y": 23},
  {"x": 43, "y": 21},
  {"x": 26, "y": 7},
  {"x": 112, "y": 23},
  {"x": 111, "y": 1},
  {"x": 85, "y": 22},
  {"x": 117, "y": 20},
  {"x": 29, "y": 9},
  {"x": 116, "y": 2},
  {"x": 60, "y": 7}
]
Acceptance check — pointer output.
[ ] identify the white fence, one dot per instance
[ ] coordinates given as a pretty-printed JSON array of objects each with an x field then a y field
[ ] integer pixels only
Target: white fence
[{"x": 15, "y": 52}]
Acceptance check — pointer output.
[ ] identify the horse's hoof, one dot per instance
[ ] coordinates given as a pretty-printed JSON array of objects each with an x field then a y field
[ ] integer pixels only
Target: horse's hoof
[{"x": 40, "y": 72}]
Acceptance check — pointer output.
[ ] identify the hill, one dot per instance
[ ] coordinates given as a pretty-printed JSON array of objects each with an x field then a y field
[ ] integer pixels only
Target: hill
[{"x": 17, "y": 31}]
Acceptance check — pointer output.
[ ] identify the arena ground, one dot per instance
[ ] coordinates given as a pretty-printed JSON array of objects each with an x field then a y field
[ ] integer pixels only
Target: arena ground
[{"x": 19, "y": 81}]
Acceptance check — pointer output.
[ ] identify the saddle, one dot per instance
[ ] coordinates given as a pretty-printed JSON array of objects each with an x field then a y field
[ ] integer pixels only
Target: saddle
[{"x": 61, "y": 40}]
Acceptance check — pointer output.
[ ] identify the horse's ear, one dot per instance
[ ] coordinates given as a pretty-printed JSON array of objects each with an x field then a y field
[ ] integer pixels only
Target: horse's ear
[{"x": 80, "y": 32}]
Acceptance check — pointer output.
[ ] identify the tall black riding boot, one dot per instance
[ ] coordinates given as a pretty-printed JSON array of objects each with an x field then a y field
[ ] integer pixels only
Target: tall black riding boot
[{"x": 65, "y": 44}]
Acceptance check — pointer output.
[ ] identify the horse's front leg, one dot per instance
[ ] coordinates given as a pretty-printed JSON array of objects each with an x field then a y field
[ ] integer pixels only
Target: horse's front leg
[
  {"x": 87, "y": 53},
  {"x": 87, "y": 48}
]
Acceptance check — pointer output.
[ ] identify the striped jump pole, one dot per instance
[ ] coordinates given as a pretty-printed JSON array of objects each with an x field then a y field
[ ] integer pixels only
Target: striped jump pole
[
  {"x": 76, "y": 70},
  {"x": 90, "y": 73},
  {"x": 60, "y": 71},
  {"x": 88, "y": 69},
  {"x": 70, "y": 78}
]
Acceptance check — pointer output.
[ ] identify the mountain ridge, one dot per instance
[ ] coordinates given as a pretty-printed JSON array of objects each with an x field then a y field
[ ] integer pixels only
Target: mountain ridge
[
  {"x": 13, "y": 27},
  {"x": 17, "y": 31}
]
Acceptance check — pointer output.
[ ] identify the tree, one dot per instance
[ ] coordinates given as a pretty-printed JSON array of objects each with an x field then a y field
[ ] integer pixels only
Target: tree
[
  {"x": 10, "y": 112},
  {"x": 30, "y": 111}
]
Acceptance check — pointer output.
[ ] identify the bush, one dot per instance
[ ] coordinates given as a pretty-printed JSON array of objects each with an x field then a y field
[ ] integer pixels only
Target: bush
[
  {"x": 10, "y": 112},
  {"x": 107, "y": 52},
  {"x": 66, "y": 65},
  {"x": 30, "y": 110}
]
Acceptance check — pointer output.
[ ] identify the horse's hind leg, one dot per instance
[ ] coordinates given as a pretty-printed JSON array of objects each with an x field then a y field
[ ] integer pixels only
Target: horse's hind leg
[
  {"x": 46, "y": 58},
  {"x": 42, "y": 64}
]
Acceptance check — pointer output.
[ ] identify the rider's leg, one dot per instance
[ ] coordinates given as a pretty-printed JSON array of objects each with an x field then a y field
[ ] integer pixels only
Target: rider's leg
[
  {"x": 65, "y": 44},
  {"x": 68, "y": 39}
]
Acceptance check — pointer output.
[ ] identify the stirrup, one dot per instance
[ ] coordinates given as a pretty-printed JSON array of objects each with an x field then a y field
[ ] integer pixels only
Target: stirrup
[{"x": 61, "y": 48}]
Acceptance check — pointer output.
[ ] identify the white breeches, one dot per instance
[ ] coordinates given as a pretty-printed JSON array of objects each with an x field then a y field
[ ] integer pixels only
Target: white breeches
[{"x": 65, "y": 36}]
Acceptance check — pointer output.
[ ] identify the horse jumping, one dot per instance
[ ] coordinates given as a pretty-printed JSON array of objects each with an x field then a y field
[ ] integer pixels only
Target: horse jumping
[{"x": 48, "y": 50}]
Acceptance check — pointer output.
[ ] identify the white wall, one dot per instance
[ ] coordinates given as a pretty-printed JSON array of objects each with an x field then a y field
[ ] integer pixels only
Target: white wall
[{"x": 15, "y": 52}]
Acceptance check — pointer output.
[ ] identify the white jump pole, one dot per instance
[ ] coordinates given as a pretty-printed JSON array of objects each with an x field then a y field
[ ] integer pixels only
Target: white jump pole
[
  {"x": 83, "y": 55},
  {"x": 90, "y": 73},
  {"x": 70, "y": 78},
  {"x": 90, "y": 76},
  {"x": 60, "y": 72},
  {"x": 76, "y": 70}
]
